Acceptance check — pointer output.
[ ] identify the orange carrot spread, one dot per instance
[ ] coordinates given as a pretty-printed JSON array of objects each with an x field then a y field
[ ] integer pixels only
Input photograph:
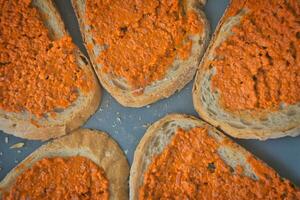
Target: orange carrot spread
[
  {"x": 258, "y": 66},
  {"x": 61, "y": 178},
  {"x": 37, "y": 75},
  {"x": 191, "y": 168},
  {"x": 141, "y": 37}
]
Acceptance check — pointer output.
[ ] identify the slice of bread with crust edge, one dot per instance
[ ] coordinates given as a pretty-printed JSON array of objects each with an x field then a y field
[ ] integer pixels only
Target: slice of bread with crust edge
[
  {"x": 159, "y": 135},
  {"x": 178, "y": 75},
  {"x": 20, "y": 125},
  {"x": 95, "y": 145},
  {"x": 247, "y": 125}
]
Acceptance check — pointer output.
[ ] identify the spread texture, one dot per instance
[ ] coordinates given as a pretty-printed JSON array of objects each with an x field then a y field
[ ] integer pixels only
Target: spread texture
[
  {"x": 191, "y": 168},
  {"x": 37, "y": 74},
  {"x": 258, "y": 66},
  {"x": 61, "y": 178},
  {"x": 141, "y": 38}
]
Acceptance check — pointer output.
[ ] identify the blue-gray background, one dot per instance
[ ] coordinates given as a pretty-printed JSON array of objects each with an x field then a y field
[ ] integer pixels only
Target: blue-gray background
[{"x": 128, "y": 125}]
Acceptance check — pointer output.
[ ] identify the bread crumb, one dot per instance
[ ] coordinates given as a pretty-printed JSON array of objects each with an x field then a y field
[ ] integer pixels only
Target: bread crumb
[
  {"x": 126, "y": 151},
  {"x": 17, "y": 145},
  {"x": 148, "y": 106},
  {"x": 19, "y": 151},
  {"x": 16, "y": 161},
  {"x": 118, "y": 119},
  {"x": 146, "y": 125},
  {"x": 6, "y": 140}
]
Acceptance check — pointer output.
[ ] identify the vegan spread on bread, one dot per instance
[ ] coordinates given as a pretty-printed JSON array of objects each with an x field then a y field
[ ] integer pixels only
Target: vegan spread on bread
[
  {"x": 85, "y": 164},
  {"x": 142, "y": 38},
  {"x": 181, "y": 157},
  {"x": 54, "y": 178},
  {"x": 190, "y": 168},
  {"x": 258, "y": 66},
  {"x": 48, "y": 87},
  {"x": 143, "y": 51},
  {"x": 38, "y": 74},
  {"x": 248, "y": 82}
]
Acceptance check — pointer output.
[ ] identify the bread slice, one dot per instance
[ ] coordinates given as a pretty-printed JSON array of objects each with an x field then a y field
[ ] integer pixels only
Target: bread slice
[
  {"x": 159, "y": 135},
  {"x": 92, "y": 144},
  {"x": 248, "y": 125},
  {"x": 178, "y": 75},
  {"x": 20, "y": 124}
]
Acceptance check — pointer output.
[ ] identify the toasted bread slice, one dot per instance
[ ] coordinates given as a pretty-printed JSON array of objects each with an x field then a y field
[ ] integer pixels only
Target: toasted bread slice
[
  {"x": 247, "y": 124},
  {"x": 94, "y": 145},
  {"x": 160, "y": 134},
  {"x": 178, "y": 75},
  {"x": 26, "y": 125}
]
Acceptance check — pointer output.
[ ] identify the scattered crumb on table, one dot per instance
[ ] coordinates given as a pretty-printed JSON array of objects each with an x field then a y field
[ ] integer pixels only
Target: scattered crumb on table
[{"x": 17, "y": 145}]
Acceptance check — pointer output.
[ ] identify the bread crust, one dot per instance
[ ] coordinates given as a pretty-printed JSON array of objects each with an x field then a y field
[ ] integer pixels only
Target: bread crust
[
  {"x": 159, "y": 135},
  {"x": 174, "y": 81},
  {"x": 95, "y": 145},
  {"x": 20, "y": 124},
  {"x": 246, "y": 125}
]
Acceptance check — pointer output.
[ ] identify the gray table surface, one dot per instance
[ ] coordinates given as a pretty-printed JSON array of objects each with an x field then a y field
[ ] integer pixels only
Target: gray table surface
[{"x": 127, "y": 125}]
